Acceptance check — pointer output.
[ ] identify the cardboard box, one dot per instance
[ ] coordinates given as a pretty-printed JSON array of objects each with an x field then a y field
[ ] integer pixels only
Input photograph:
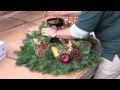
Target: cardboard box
[{"x": 2, "y": 50}]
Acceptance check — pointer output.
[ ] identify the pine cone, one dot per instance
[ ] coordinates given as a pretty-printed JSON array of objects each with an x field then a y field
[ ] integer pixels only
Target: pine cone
[
  {"x": 87, "y": 44},
  {"x": 75, "y": 54},
  {"x": 38, "y": 52},
  {"x": 44, "y": 46}
]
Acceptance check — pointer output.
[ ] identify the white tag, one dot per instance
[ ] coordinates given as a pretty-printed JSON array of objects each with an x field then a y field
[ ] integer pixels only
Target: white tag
[{"x": 2, "y": 50}]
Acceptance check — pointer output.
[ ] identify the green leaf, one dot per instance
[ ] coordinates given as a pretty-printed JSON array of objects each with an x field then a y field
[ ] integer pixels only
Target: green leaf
[
  {"x": 31, "y": 42},
  {"x": 86, "y": 52},
  {"x": 26, "y": 41},
  {"x": 93, "y": 64},
  {"x": 29, "y": 36}
]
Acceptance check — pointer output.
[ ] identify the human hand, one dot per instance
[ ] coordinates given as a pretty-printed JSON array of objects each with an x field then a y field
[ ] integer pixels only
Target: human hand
[{"x": 48, "y": 32}]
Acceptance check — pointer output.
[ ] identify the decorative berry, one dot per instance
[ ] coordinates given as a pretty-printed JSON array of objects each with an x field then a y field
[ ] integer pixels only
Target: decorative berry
[{"x": 65, "y": 58}]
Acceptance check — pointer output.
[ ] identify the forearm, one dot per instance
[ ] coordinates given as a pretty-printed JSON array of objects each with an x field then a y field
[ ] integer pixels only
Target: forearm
[
  {"x": 68, "y": 33},
  {"x": 72, "y": 33},
  {"x": 65, "y": 34}
]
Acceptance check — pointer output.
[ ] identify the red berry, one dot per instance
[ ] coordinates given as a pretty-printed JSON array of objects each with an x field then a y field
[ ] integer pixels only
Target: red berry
[{"x": 65, "y": 58}]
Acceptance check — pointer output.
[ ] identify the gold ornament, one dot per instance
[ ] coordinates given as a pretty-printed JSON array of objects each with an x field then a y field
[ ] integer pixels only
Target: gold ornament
[{"x": 55, "y": 52}]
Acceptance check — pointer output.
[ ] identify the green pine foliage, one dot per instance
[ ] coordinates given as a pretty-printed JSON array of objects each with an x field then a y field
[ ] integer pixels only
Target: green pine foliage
[{"x": 49, "y": 64}]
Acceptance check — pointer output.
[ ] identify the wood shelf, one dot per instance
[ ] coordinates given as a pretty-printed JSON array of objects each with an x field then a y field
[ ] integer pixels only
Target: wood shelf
[{"x": 5, "y": 12}]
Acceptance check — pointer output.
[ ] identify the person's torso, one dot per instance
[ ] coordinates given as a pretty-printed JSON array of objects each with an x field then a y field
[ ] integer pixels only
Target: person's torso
[{"x": 108, "y": 32}]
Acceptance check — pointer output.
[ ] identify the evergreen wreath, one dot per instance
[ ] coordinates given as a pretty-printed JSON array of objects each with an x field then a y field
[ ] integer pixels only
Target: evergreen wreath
[{"x": 57, "y": 56}]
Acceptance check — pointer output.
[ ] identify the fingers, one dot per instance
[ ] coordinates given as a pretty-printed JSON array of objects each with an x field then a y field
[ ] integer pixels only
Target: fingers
[
  {"x": 44, "y": 34},
  {"x": 45, "y": 31},
  {"x": 48, "y": 32}
]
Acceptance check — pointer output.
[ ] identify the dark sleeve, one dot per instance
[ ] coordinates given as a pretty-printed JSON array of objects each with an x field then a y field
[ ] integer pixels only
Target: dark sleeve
[{"x": 88, "y": 20}]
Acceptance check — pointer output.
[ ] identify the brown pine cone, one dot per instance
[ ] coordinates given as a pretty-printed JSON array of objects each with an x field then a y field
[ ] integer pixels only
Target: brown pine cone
[
  {"x": 87, "y": 44},
  {"x": 39, "y": 53},
  {"x": 75, "y": 54}
]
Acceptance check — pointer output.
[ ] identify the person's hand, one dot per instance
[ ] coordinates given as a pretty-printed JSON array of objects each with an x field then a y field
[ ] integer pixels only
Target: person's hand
[{"x": 48, "y": 32}]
